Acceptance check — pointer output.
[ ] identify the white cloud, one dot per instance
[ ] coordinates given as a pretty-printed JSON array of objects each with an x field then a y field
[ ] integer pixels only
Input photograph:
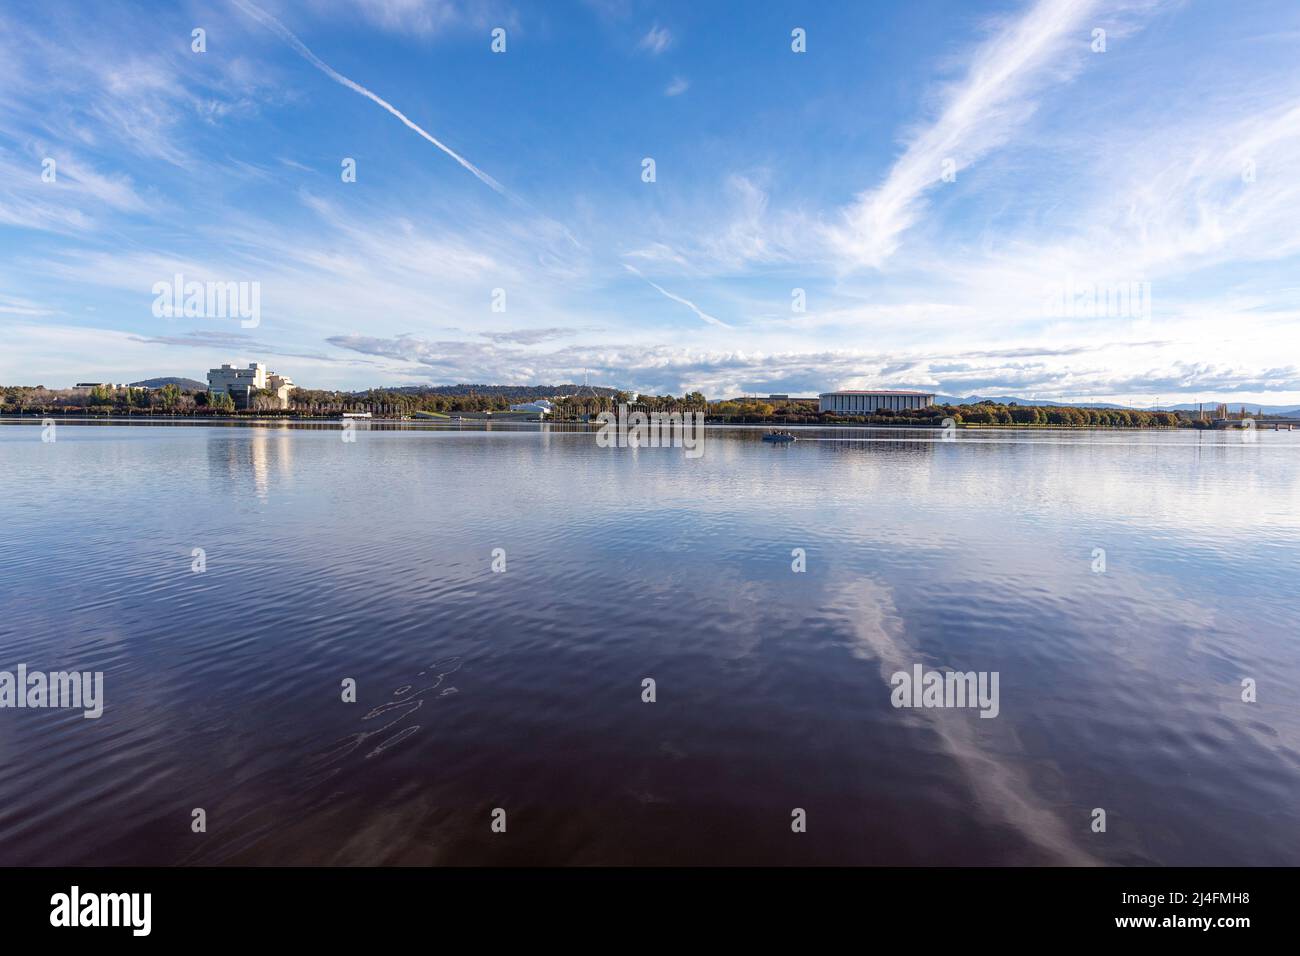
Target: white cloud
[
  {"x": 426, "y": 17},
  {"x": 9, "y": 305},
  {"x": 731, "y": 231},
  {"x": 1079, "y": 371},
  {"x": 677, "y": 87},
  {"x": 415, "y": 16},
  {"x": 677, "y": 298},
  {"x": 979, "y": 113},
  {"x": 657, "y": 40},
  {"x": 302, "y": 49},
  {"x": 72, "y": 82}
]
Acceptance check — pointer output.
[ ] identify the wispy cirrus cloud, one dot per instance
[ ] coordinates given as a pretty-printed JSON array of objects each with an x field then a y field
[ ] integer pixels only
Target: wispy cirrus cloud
[
  {"x": 1046, "y": 45},
  {"x": 657, "y": 40},
  {"x": 426, "y": 18},
  {"x": 71, "y": 84},
  {"x": 301, "y": 48},
  {"x": 72, "y": 199},
  {"x": 530, "y": 336},
  {"x": 9, "y": 305},
  {"x": 237, "y": 343},
  {"x": 735, "y": 232},
  {"x": 677, "y": 298}
]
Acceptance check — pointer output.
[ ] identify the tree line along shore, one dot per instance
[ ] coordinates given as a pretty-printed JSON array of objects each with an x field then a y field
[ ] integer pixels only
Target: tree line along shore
[{"x": 172, "y": 400}]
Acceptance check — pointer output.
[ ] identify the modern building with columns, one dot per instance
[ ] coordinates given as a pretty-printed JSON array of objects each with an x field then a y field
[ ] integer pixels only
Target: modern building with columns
[
  {"x": 868, "y": 403},
  {"x": 240, "y": 383}
]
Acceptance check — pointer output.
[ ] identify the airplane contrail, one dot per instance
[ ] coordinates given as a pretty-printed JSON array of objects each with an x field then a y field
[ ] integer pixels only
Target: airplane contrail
[
  {"x": 677, "y": 298},
  {"x": 259, "y": 14}
]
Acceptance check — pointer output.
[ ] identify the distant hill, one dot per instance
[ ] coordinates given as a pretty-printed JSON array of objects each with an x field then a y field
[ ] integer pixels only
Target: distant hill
[
  {"x": 1015, "y": 400},
  {"x": 186, "y": 384},
  {"x": 515, "y": 393},
  {"x": 1288, "y": 410}
]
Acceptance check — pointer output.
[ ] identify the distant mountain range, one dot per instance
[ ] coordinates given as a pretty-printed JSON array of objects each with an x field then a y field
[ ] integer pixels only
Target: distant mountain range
[
  {"x": 516, "y": 393},
  {"x": 527, "y": 393},
  {"x": 186, "y": 384},
  {"x": 1288, "y": 410}
]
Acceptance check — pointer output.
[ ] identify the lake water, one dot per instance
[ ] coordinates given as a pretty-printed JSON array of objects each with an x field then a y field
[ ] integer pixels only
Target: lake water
[{"x": 476, "y": 690}]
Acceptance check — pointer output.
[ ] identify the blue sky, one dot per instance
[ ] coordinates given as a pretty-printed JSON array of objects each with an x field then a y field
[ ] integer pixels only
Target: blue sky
[{"x": 1169, "y": 162}]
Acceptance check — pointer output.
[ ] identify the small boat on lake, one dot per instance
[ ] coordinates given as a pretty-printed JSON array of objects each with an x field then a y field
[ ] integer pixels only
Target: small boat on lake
[{"x": 779, "y": 438}]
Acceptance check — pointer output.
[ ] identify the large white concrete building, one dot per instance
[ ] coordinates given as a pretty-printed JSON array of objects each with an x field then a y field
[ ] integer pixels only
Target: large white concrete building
[
  {"x": 868, "y": 403},
  {"x": 281, "y": 386},
  {"x": 238, "y": 383},
  {"x": 539, "y": 407},
  {"x": 109, "y": 386}
]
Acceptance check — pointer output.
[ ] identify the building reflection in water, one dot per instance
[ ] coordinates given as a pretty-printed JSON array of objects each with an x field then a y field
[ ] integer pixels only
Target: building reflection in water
[{"x": 249, "y": 455}]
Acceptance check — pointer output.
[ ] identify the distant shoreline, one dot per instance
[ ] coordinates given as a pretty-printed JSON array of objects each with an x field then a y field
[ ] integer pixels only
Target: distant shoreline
[{"x": 443, "y": 423}]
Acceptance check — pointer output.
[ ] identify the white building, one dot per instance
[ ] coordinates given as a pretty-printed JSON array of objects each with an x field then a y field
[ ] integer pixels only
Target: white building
[
  {"x": 540, "y": 407},
  {"x": 281, "y": 386},
  {"x": 868, "y": 403},
  {"x": 111, "y": 386},
  {"x": 239, "y": 383}
]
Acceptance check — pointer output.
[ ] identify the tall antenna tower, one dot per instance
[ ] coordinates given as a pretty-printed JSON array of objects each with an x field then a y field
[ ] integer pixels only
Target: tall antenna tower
[{"x": 590, "y": 391}]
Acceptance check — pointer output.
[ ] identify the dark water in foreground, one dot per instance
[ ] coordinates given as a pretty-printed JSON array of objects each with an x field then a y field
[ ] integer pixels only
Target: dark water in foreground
[{"x": 522, "y": 690}]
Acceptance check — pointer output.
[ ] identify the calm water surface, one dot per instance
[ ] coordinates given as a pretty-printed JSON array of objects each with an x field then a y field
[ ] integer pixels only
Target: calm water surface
[{"x": 522, "y": 690}]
